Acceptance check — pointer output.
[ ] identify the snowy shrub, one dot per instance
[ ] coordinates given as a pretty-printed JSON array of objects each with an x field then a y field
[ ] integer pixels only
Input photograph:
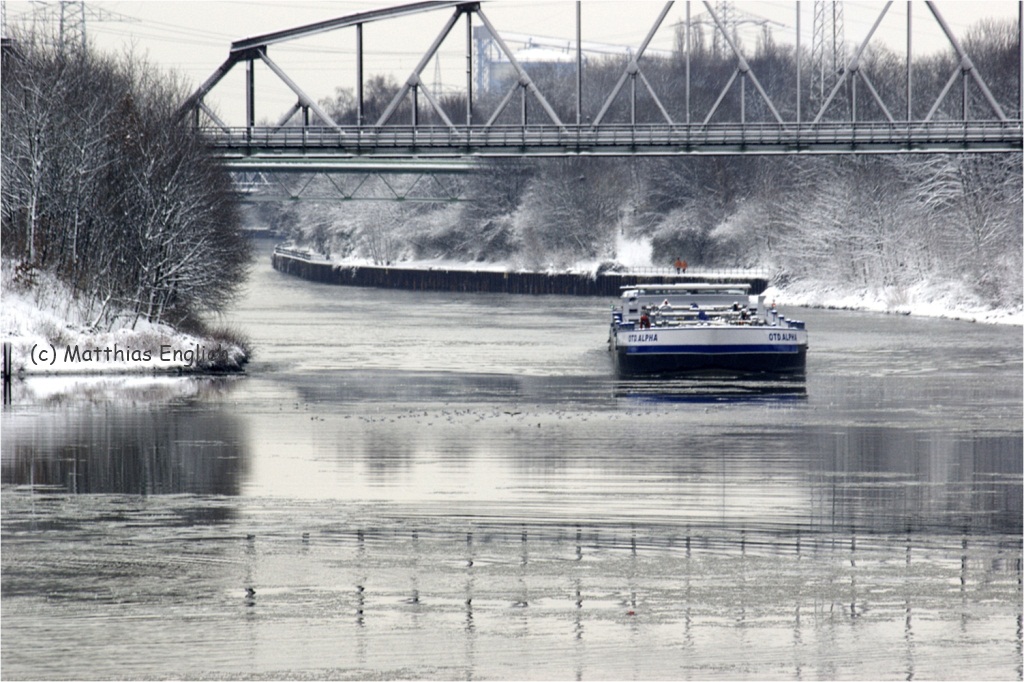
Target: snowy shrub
[
  {"x": 732, "y": 242},
  {"x": 683, "y": 233}
]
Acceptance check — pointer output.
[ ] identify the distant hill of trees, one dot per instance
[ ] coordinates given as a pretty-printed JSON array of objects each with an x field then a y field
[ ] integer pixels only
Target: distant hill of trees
[
  {"x": 102, "y": 187},
  {"x": 859, "y": 221}
]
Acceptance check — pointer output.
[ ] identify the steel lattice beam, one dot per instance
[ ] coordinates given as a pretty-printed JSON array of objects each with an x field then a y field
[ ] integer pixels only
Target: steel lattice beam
[
  {"x": 326, "y": 146},
  {"x": 244, "y": 147}
]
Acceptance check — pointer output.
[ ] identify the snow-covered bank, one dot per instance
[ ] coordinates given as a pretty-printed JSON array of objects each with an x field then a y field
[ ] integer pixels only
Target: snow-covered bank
[
  {"x": 49, "y": 333},
  {"x": 949, "y": 301},
  {"x": 124, "y": 389}
]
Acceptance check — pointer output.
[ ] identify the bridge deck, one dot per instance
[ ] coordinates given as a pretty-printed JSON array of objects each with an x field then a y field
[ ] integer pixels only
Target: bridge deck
[{"x": 250, "y": 146}]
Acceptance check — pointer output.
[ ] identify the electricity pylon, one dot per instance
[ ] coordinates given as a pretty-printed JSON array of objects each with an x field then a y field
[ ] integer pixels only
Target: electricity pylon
[{"x": 828, "y": 48}]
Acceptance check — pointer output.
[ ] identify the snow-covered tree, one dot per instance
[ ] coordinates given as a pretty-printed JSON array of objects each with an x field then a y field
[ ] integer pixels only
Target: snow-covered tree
[{"x": 105, "y": 188}]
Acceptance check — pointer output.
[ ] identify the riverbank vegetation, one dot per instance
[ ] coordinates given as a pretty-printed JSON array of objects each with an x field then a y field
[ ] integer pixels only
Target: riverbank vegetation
[
  {"x": 891, "y": 227},
  {"x": 108, "y": 198}
]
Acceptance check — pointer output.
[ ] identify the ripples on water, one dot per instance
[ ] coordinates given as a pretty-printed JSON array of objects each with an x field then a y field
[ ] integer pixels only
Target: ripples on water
[
  {"x": 452, "y": 486},
  {"x": 123, "y": 586}
]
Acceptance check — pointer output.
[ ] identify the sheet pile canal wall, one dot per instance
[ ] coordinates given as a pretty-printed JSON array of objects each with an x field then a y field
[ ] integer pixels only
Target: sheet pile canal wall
[{"x": 485, "y": 281}]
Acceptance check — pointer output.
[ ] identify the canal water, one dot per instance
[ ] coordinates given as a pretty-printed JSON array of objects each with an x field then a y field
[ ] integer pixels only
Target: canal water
[{"x": 451, "y": 486}]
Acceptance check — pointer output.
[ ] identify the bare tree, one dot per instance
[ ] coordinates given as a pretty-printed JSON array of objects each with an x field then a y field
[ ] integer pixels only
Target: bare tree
[{"x": 103, "y": 187}]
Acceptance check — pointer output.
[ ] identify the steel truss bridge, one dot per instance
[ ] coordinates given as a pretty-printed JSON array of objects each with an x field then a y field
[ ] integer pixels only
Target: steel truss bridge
[{"x": 853, "y": 117}]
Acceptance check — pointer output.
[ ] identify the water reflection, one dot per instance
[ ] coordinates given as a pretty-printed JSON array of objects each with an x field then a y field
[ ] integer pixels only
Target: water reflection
[
  {"x": 361, "y": 386},
  {"x": 358, "y": 387},
  {"x": 273, "y": 592},
  {"x": 140, "y": 436},
  {"x": 880, "y": 477},
  {"x": 713, "y": 389},
  {"x": 715, "y": 454}
]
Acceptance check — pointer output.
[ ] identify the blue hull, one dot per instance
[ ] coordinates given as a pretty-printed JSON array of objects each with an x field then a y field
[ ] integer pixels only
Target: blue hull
[{"x": 673, "y": 363}]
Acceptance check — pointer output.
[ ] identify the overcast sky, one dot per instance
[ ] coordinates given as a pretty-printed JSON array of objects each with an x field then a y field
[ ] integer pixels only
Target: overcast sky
[{"x": 193, "y": 37}]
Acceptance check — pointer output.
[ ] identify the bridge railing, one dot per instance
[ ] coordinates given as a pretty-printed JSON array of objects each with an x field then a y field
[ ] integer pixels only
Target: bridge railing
[{"x": 541, "y": 139}]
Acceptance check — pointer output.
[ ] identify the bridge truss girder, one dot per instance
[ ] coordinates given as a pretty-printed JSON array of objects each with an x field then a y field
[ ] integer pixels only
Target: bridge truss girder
[
  {"x": 327, "y": 186},
  {"x": 318, "y": 135},
  {"x": 329, "y": 179}
]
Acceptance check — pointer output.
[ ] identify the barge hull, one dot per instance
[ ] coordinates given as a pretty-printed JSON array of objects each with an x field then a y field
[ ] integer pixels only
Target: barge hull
[{"x": 743, "y": 362}]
